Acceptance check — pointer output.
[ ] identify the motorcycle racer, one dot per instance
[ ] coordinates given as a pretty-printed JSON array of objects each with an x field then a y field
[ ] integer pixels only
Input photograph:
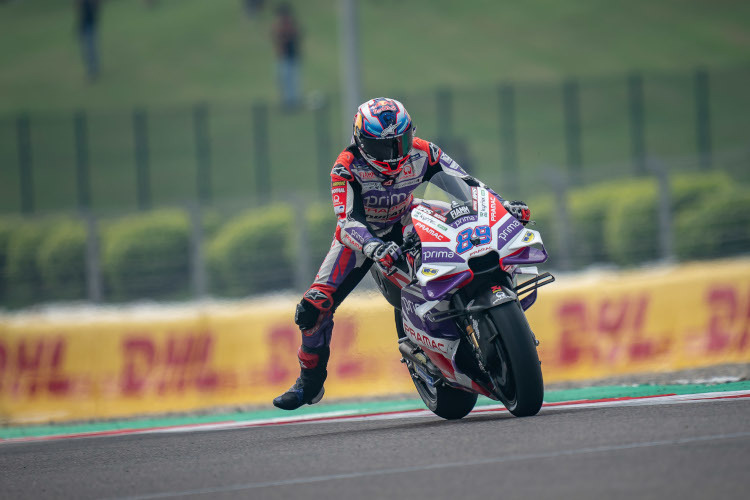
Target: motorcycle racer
[{"x": 372, "y": 185}]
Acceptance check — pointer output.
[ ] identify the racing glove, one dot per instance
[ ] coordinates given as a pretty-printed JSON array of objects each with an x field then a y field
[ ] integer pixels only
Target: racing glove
[
  {"x": 384, "y": 254},
  {"x": 519, "y": 210}
]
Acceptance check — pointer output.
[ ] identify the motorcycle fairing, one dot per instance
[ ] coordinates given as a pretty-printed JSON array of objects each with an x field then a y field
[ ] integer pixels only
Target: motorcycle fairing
[{"x": 439, "y": 342}]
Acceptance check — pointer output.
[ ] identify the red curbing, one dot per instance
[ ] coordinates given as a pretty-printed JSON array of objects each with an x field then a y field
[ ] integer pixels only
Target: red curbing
[{"x": 233, "y": 424}]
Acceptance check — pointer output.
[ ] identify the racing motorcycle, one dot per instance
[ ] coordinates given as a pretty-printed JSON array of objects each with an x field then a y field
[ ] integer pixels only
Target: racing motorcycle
[{"x": 460, "y": 304}]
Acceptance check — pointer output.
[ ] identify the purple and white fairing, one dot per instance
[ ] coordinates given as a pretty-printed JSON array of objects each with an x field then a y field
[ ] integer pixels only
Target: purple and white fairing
[{"x": 451, "y": 235}]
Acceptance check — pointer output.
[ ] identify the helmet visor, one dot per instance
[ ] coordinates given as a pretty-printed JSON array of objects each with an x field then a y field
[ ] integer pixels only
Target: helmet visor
[{"x": 389, "y": 149}]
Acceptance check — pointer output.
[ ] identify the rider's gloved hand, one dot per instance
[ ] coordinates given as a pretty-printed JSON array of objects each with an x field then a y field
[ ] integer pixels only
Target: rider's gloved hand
[
  {"x": 384, "y": 254},
  {"x": 519, "y": 210}
]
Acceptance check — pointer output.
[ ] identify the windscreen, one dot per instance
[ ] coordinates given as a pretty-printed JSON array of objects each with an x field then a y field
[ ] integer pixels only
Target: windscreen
[{"x": 446, "y": 188}]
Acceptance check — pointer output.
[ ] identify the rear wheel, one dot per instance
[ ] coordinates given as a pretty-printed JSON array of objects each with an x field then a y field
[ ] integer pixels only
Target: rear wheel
[
  {"x": 512, "y": 359},
  {"x": 444, "y": 401}
]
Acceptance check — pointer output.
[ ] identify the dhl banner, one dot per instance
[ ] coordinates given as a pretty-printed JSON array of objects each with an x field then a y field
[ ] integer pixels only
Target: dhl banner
[{"x": 105, "y": 363}]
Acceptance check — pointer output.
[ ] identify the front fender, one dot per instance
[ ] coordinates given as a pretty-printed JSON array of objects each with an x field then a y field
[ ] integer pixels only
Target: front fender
[{"x": 491, "y": 296}]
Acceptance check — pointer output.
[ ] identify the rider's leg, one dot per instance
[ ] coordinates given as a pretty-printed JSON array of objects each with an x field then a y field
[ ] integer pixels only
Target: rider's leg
[{"x": 341, "y": 271}]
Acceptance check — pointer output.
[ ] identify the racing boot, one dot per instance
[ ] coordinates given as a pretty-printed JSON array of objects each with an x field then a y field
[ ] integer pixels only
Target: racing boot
[{"x": 308, "y": 389}]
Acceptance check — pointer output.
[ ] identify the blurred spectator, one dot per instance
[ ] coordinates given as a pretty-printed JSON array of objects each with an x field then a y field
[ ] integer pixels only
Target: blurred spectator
[
  {"x": 88, "y": 20},
  {"x": 253, "y": 7},
  {"x": 286, "y": 39}
]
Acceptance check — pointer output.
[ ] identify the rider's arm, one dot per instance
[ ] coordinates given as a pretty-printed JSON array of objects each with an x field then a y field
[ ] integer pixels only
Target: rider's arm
[
  {"x": 438, "y": 161},
  {"x": 353, "y": 230}
]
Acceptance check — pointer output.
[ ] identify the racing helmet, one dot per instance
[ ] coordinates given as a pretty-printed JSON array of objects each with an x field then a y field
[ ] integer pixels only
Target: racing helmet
[{"x": 383, "y": 132}]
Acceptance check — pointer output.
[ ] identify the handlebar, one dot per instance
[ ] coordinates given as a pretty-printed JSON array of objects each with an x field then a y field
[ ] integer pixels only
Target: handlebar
[{"x": 410, "y": 243}]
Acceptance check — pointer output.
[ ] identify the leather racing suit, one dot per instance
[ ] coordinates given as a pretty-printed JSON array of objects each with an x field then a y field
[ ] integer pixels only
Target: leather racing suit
[{"x": 367, "y": 205}]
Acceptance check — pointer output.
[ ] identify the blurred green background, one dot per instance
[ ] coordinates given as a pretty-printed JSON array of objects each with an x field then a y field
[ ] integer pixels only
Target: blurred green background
[
  {"x": 532, "y": 97},
  {"x": 181, "y": 51},
  {"x": 444, "y": 59}
]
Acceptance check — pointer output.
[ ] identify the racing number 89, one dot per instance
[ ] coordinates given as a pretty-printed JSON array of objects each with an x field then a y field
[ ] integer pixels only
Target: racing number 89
[{"x": 481, "y": 233}]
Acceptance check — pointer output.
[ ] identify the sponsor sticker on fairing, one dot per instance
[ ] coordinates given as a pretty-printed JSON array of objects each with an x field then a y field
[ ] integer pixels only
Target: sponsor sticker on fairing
[
  {"x": 439, "y": 254},
  {"x": 508, "y": 230},
  {"x": 464, "y": 220},
  {"x": 459, "y": 211},
  {"x": 499, "y": 292},
  {"x": 427, "y": 233},
  {"x": 425, "y": 340},
  {"x": 495, "y": 214},
  {"x": 474, "y": 198},
  {"x": 483, "y": 213}
]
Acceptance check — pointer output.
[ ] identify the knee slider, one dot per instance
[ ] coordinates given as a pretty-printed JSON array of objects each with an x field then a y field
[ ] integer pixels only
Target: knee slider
[
  {"x": 313, "y": 303},
  {"x": 306, "y": 315}
]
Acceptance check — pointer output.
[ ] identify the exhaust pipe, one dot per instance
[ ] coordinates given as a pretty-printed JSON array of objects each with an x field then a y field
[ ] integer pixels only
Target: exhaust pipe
[{"x": 416, "y": 355}]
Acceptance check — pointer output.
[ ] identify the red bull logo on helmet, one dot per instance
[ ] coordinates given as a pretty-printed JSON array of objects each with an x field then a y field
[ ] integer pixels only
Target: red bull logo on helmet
[{"x": 379, "y": 105}]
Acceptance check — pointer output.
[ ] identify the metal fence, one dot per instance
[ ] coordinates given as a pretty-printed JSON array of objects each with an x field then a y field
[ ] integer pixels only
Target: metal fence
[
  {"x": 507, "y": 135},
  {"x": 210, "y": 162},
  {"x": 160, "y": 268}
]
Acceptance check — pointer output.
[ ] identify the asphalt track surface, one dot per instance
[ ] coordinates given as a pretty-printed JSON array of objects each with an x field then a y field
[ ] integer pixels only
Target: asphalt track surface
[{"x": 643, "y": 450}]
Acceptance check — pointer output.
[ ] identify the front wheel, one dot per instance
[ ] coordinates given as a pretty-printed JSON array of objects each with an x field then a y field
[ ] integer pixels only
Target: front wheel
[
  {"x": 444, "y": 401},
  {"x": 512, "y": 359}
]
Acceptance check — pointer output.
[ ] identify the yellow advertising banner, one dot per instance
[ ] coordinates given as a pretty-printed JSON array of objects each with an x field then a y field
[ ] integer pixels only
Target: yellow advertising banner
[{"x": 104, "y": 363}]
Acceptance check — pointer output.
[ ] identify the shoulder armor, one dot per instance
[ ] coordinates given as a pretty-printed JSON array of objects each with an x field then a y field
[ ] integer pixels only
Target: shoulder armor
[
  {"x": 341, "y": 166},
  {"x": 433, "y": 152}
]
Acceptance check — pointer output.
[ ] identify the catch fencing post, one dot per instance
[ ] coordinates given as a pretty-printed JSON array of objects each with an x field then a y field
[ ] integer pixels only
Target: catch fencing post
[
  {"x": 303, "y": 262},
  {"x": 508, "y": 144},
  {"x": 202, "y": 153},
  {"x": 444, "y": 117},
  {"x": 637, "y": 123},
  {"x": 142, "y": 177},
  {"x": 664, "y": 206},
  {"x": 559, "y": 184},
  {"x": 703, "y": 117},
  {"x": 349, "y": 63},
  {"x": 83, "y": 177},
  {"x": 572, "y": 113},
  {"x": 262, "y": 156},
  {"x": 198, "y": 275},
  {"x": 26, "y": 179},
  {"x": 94, "y": 288},
  {"x": 321, "y": 124}
]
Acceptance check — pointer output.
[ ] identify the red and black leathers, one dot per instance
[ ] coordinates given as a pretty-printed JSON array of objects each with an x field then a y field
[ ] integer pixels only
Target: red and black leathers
[{"x": 368, "y": 206}]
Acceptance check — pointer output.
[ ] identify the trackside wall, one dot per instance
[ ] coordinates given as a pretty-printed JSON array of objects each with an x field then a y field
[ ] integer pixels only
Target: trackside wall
[{"x": 109, "y": 364}]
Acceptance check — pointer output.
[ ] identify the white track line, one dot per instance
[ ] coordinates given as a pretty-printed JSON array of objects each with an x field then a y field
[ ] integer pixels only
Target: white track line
[
  {"x": 351, "y": 416},
  {"x": 355, "y": 416}
]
